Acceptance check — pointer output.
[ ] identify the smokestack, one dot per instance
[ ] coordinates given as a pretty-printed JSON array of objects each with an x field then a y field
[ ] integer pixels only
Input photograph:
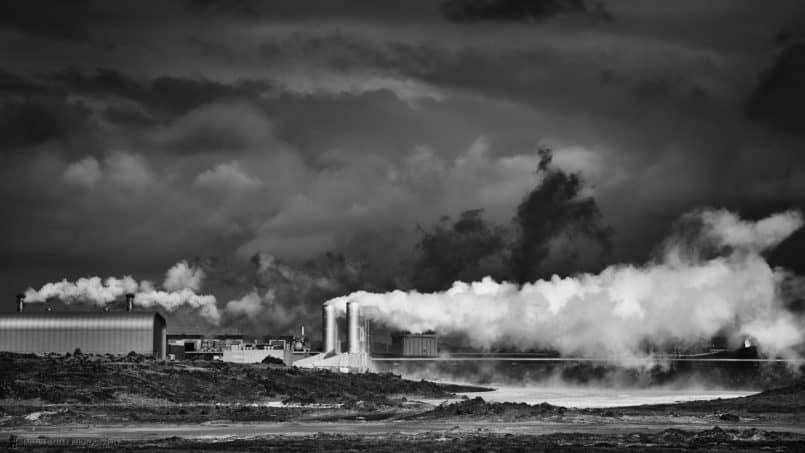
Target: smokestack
[
  {"x": 20, "y": 302},
  {"x": 129, "y": 302},
  {"x": 353, "y": 323},
  {"x": 329, "y": 328}
]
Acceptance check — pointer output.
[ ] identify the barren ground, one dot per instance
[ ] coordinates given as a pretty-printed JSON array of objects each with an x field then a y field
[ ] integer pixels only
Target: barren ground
[{"x": 137, "y": 404}]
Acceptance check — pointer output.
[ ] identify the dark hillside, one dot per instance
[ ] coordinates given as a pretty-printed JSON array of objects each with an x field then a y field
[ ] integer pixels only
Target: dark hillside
[{"x": 91, "y": 379}]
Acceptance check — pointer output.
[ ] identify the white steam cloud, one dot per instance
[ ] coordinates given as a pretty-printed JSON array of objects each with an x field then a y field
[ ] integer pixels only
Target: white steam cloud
[
  {"x": 183, "y": 276},
  {"x": 678, "y": 299},
  {"x": 249, "y": 305},
  {"x": 90, "y": 289},
  {"x": 252, "y": 304},
  {"x": 181, "y": 283},
  {"x": 726, "y": 229},
  {"x": 170, "y": 301}
]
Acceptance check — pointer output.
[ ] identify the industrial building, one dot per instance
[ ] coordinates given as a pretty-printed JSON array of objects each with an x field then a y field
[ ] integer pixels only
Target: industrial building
[
  {"x": 100, "y": 332},
  {"x": 110, "y": 332},
  {"x": 238, "y": 348},
  {"x": 356, "y": 359},
  {"x": 414, "y": 345}
]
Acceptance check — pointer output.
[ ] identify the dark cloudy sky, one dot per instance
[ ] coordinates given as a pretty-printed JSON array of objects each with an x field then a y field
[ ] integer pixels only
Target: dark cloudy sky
[{"x": 137, "y": 134}]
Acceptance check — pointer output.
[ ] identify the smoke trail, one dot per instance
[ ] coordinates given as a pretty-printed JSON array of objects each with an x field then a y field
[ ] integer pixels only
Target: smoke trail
[
  {"x": 681, "y": 298},
  {"x": 181, "y": 277}
]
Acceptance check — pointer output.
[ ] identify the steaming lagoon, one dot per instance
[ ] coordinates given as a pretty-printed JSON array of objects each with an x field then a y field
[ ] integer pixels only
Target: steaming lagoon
[{"x": 600, "y": 397}]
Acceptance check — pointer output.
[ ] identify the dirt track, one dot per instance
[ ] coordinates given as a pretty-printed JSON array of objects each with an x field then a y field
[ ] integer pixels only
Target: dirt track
[
  {"x": 401, "y": 436},
  {"x": 224, "y": 430}
]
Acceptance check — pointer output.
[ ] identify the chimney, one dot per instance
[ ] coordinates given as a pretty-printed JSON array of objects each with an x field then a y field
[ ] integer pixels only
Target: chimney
[
  {"x": 329, "y": 329},
  {"x": 353, "y": 328},
  {"x": 129, "y": 302},
  {"x": 20, "y": 302}
]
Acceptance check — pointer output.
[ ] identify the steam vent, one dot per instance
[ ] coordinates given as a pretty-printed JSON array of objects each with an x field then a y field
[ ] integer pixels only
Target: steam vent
[
  {"x": 95, "y": 332},
  {"x": 356, "y": 358}
]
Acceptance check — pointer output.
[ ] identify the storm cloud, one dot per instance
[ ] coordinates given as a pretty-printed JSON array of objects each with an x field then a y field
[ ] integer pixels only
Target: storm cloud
[{"x": 133, "y": 138}]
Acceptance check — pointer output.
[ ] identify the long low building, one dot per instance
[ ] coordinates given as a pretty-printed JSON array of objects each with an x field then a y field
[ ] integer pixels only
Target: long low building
[{"x": 91, "y": 332}]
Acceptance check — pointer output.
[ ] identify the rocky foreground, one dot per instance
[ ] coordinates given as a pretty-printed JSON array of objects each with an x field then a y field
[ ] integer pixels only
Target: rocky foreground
[
  {"x": 91, "y": 388},
  {"x": 669, "y": 440},
  {"x": 141, "y": 405}
]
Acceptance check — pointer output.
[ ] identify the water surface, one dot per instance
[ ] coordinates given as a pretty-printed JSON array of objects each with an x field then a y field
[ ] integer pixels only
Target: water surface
[{"x": 592, "y": 397}]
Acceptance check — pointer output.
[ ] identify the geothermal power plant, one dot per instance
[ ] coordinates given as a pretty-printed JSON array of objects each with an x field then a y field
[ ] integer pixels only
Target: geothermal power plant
[
  {"x": 120, "y": 332},
  {"x": 127, "y": 330}
]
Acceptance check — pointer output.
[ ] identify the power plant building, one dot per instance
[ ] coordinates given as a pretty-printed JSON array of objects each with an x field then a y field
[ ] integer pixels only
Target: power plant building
[
  {"x": 415, "y": 345},
  {"x": 356, "y": 359},
  {"x": 91, "y": 332}
]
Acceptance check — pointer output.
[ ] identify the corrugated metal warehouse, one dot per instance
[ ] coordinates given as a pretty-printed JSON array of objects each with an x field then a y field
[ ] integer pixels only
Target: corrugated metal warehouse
[
  {"x": 92, "y": 332},
  {"x": 415, "y": 345}
]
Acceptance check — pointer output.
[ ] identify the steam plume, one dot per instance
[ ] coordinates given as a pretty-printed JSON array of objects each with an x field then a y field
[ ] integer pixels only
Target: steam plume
[
  {"x": 253, "y": 306},
  {"x": 89, "y": 289},
  {"x": 180, "y": 285},
  {"x": 183, "y": 276},
  {"x": 170, "y": 301},
  {"x": 682, "y": 297}
]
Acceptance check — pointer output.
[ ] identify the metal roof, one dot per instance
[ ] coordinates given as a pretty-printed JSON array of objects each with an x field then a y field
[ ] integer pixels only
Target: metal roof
[
  {"x": 184, "y": 336},
  {"x": 80, "y": 320},
  {"x": 413, "y": 335}
]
